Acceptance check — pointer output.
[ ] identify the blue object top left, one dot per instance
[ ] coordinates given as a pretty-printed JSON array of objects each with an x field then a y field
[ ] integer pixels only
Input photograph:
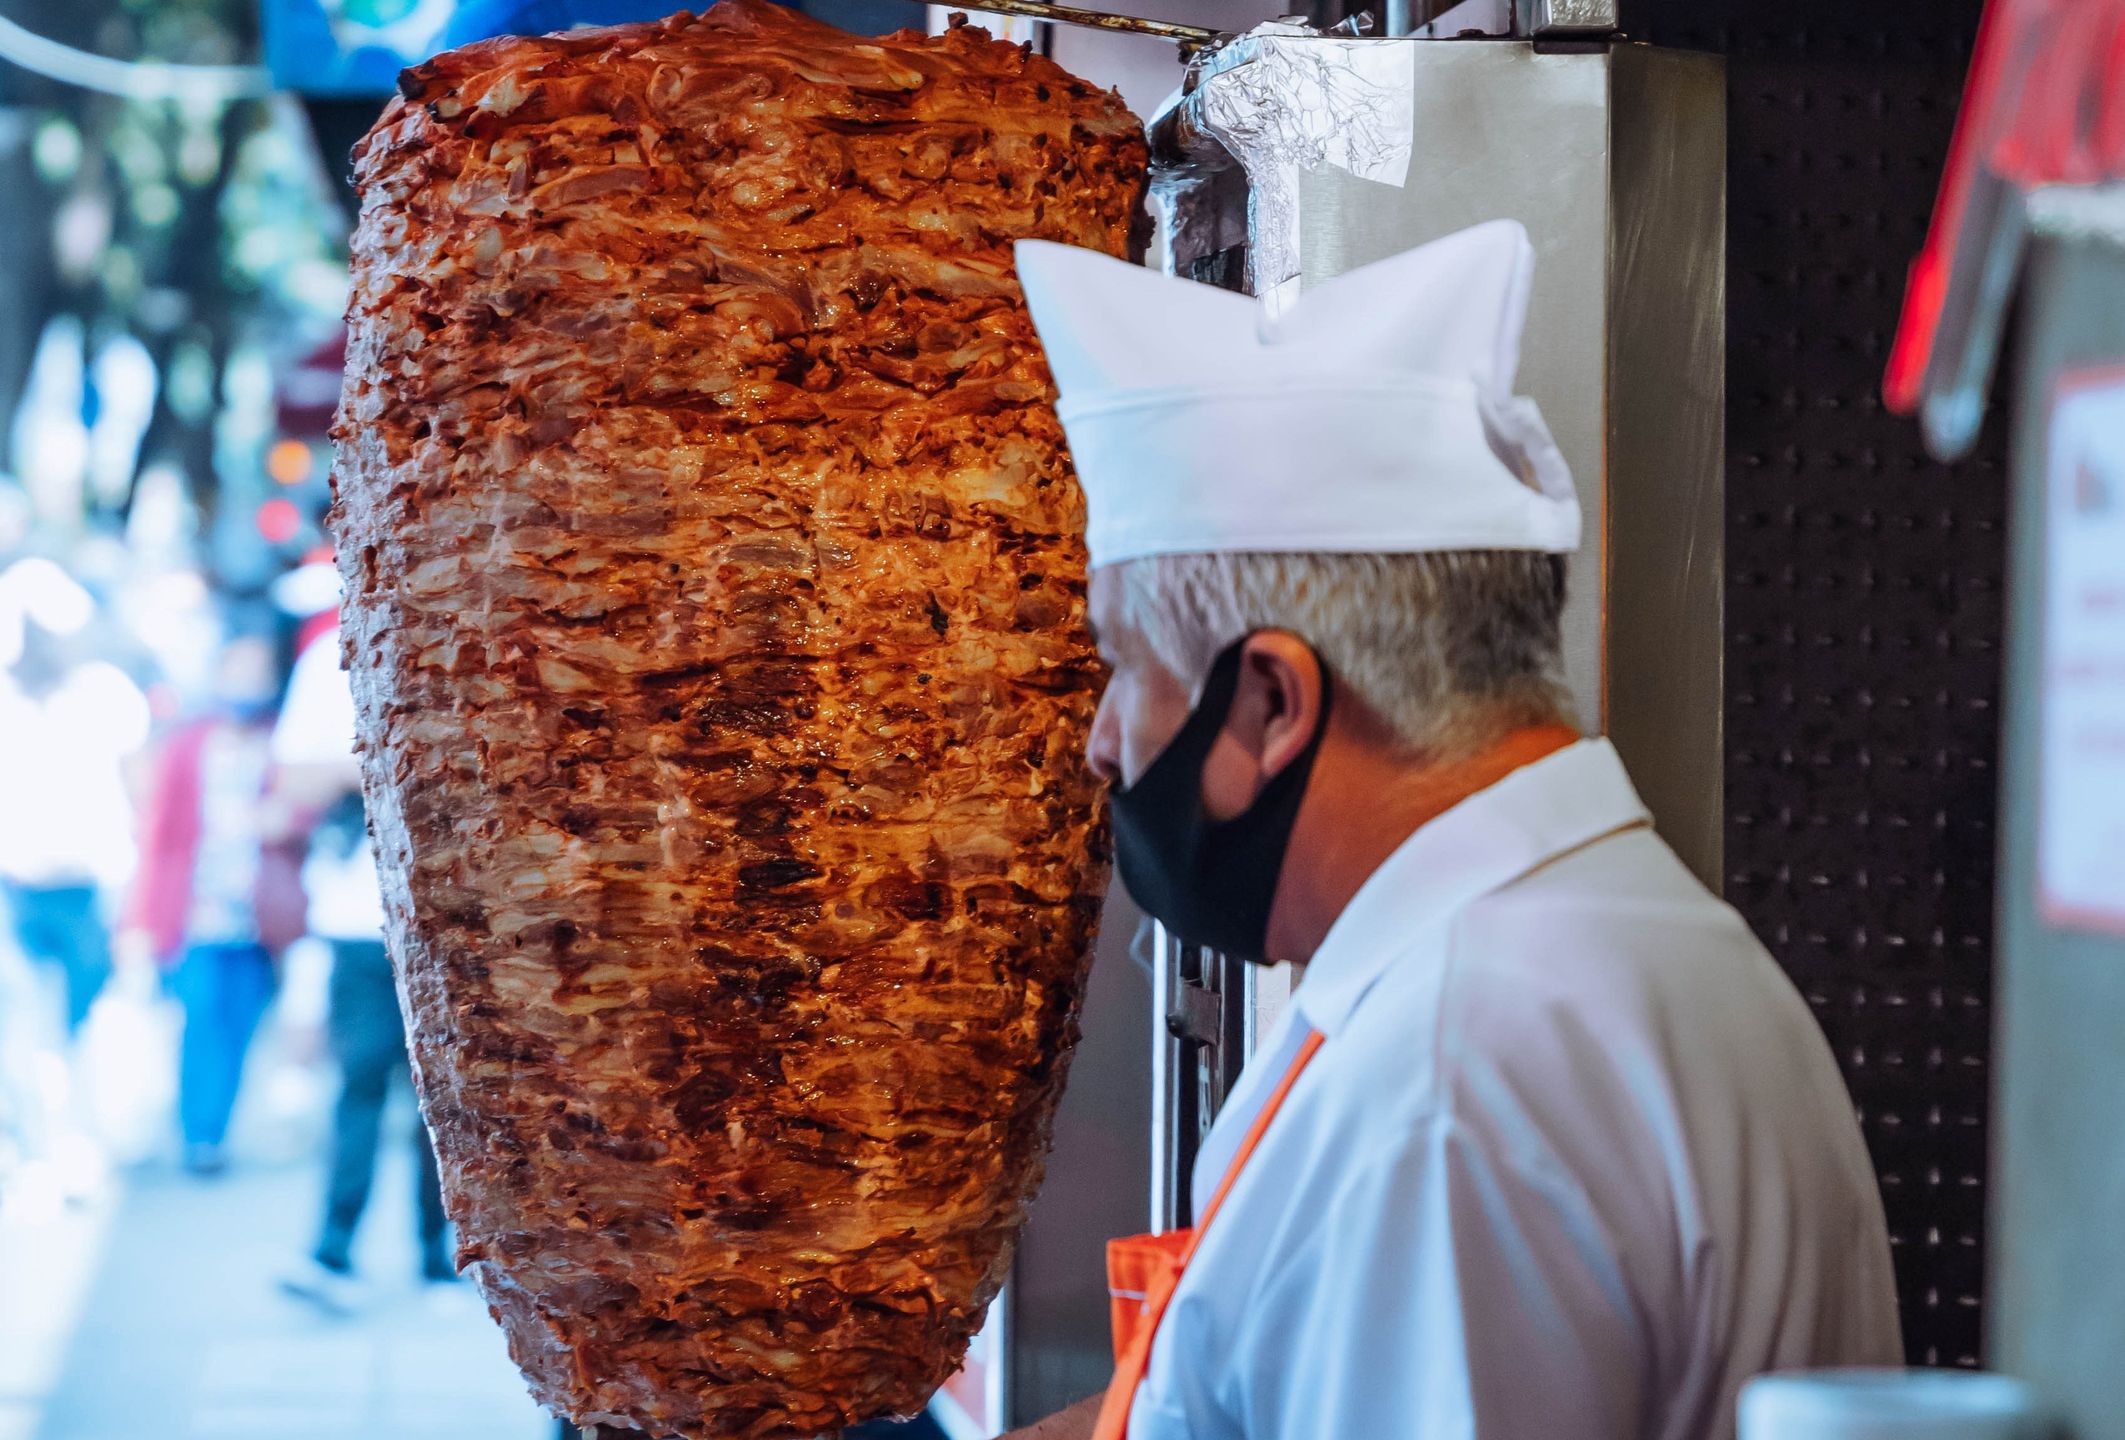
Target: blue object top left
[{"x": 355, "y": 48}]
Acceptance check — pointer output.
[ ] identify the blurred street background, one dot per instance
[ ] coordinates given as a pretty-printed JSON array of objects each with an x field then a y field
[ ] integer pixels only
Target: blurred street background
[
  {"x": 216, "y": 1215},
  {"x": 219, "y": 1217}
]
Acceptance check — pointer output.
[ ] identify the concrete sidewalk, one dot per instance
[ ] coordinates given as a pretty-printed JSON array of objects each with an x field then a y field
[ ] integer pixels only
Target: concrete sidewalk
[{"x": 181, "y": 1331}]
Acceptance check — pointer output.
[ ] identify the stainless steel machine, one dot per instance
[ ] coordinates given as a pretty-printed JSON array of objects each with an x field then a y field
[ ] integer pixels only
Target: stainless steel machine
[{"x": 1342, "y": 150}]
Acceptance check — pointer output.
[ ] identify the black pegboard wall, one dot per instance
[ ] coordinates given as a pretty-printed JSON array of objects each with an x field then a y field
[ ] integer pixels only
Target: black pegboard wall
[{"x": 1863, "y": 605}]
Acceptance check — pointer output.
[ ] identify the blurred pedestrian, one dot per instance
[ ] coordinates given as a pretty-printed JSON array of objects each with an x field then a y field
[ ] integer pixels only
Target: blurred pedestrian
[
  {"x": 65, "y": 820},
  {"x": 313, "y": 746},
  {"x": 219, "y": 894}
]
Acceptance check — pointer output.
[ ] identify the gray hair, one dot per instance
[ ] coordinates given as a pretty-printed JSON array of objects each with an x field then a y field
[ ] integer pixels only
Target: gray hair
[{"x": 1449, "y": 650}]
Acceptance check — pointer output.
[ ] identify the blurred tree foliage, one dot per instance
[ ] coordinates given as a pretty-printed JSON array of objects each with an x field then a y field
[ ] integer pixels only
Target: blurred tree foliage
[{"x": 196, "y": 226}]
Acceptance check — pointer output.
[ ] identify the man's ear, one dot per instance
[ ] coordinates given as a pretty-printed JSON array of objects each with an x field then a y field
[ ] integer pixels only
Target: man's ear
[
  {"x": 1277, "y": 707},
  {"x": 1293, "y": 695}
]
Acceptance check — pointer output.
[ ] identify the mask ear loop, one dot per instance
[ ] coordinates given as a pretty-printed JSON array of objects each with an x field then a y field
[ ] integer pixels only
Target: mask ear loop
[{"x": 1312, "y": 748}]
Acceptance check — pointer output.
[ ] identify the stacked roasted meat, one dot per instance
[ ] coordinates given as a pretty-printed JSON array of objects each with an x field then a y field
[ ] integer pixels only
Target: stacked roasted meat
[{"x": 715, "y": 612}]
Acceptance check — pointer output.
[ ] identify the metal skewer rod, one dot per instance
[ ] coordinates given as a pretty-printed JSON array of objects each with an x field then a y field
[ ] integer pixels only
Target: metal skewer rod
[{"x": 1097, "y": 19}]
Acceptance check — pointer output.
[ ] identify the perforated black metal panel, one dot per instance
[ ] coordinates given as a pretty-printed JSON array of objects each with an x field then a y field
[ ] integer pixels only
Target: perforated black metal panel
[{"x": 1863, "y": 604}]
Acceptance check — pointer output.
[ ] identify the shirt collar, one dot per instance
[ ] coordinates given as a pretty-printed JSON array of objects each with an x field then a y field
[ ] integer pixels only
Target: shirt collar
[{"x": 1535, "y": 814}]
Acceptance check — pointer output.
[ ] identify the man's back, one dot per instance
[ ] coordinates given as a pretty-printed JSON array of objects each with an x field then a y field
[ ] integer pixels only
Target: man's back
[{"x": 1607, "y": 1022}]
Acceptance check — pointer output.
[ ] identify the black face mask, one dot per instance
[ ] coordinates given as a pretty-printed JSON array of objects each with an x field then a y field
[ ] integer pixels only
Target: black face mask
[{"x": 1211, "y": 882}]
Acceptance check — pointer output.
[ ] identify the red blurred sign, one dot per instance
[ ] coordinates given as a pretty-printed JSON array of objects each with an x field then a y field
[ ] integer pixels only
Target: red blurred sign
[
  {"x": 2044, "y": 106},
  {"x": 278, "y": 520}
]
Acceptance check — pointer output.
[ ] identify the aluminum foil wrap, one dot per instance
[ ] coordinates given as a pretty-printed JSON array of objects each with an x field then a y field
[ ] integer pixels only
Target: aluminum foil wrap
[{"x": 1275, "y": 103}]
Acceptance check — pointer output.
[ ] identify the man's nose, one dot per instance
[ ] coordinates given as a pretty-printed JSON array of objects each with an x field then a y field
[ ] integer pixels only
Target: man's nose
[{"x": 1104, "y": 750}]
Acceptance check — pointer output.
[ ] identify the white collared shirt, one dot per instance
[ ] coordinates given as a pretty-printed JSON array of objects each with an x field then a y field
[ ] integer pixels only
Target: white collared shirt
[{"x": 1573, "y": 1163}]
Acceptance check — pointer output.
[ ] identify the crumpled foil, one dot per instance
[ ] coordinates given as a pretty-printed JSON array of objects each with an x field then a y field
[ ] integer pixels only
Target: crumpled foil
[{"x": 1277, "y": 102}]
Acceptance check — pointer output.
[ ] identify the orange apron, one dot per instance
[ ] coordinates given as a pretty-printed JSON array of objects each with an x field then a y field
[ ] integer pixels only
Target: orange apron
[{"x": 1144, "y": 1270}]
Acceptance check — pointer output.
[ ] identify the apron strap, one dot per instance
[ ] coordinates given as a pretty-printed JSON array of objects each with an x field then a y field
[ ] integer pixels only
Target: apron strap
[
  {"x": 1135, "y": 1356},
  {"x": 1257, "y": 1130}
]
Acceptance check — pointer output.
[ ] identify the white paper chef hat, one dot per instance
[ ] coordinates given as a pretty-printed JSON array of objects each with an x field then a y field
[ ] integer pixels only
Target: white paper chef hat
[{"x": 1374, "y": 414}]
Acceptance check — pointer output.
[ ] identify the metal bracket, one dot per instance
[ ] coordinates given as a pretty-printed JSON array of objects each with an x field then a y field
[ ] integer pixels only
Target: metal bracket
[
  {"x": 1204, "y": 1017},
  {"x": 1197, "y": 1016}
]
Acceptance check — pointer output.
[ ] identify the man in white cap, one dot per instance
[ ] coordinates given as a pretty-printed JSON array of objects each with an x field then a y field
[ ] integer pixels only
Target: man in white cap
[{"x": 1546, "y": 1147}]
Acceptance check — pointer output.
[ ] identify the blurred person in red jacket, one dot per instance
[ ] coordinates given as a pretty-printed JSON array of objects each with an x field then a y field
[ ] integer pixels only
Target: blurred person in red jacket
[{"x": 218, "y": 894}]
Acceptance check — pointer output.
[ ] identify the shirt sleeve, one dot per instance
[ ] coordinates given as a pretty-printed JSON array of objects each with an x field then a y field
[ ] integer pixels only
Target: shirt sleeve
[{"x": 1442, "y": 1294}]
